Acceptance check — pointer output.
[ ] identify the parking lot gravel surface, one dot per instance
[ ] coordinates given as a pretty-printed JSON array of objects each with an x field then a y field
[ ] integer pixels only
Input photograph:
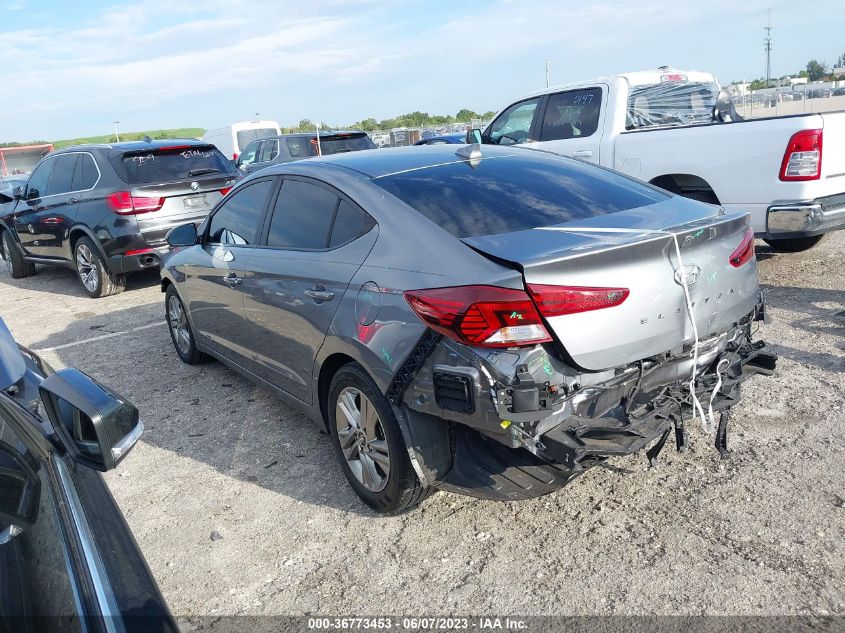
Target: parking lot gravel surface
[{"x": 240, "y": 507}]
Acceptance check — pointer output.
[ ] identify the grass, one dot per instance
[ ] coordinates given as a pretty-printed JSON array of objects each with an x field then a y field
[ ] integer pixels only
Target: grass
[{"x": 182, "y": 132}]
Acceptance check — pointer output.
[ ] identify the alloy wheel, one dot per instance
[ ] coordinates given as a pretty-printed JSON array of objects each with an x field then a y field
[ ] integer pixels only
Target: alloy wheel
[
  {"x": 362, "y": 439},
  {"x": 178, "y": 322},
  {"x": 86, "y": 265},
  {"x": 7, "y": 256}
]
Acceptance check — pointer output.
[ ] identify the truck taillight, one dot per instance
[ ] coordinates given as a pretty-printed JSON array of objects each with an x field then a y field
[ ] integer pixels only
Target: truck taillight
[
  {"x": 745, "y": 251},
  {"x": 558, "y": 300},
  {"x": 124, "y": 203},
  {"x": 802, "y": 159},
  {"x": 480, "y": 316}
]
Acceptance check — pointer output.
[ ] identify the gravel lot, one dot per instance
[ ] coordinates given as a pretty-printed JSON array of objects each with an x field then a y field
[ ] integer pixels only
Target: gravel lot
[{"x": 240, "y": 508}]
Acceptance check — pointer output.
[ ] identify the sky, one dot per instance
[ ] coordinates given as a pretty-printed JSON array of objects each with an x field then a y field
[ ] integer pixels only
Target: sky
[{"x": 71, "y": 68}]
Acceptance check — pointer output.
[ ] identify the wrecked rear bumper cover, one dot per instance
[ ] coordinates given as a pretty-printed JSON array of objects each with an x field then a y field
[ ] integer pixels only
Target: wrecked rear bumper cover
[{"x": 522, "y": 423}]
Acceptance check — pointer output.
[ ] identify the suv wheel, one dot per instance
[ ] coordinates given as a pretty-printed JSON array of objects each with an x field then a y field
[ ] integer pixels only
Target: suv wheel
[
  {"x": 95, "y": 276},
  {"x": 795, "y": 245},
  {"x": 369, "y": 443},
  {"x": 180, "y": 329},
  {"x": 17, "y": 266}
]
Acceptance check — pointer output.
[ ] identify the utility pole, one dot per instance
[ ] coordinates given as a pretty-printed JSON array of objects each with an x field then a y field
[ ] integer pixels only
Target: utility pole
[
  {"x": 768, "y": 49},
  {"x": 116, "y": 137},
  {"x": 547, "y": 73}
]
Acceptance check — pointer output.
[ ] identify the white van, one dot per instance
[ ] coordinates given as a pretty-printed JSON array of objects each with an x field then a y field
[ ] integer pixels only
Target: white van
[{"x": 232, "y": 138}]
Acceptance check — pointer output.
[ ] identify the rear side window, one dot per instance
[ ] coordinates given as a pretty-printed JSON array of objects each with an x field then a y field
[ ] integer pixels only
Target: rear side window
[
  {"x": 236, "y": 221},
  {"x": 345, "y": 143},
  {"x": 310, "y": 217},
  {"x": 62, "y": 178},
  {"x": 300, "y": 146},
  {"x": 573, "y": 114},
  {"x": 505, "y": 194},
  {"x": 245, "y": 137},
  {"x": 303, "y": 216},
  {"x": 268, "y": 151},
  {"x": 172, "y": 165},
  {"x": 349, "y": 223},
  {"x": 86, "y": 174}
]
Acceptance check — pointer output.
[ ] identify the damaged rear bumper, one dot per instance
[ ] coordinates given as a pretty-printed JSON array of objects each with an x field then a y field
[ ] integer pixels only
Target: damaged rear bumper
[{"x": 515, "y": 424}]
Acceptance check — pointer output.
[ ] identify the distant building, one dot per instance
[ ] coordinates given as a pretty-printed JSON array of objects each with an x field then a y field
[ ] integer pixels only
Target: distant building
[{"x": 21, "y": 160}]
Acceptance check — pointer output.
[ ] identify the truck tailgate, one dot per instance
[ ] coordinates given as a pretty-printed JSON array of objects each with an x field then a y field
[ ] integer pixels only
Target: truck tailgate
[{"x": 833, "y": 154}]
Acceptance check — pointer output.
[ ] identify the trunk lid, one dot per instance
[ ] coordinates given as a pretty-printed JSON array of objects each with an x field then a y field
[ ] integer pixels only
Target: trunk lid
[
  {"x": 625, "y": 250},
  {"x": 187, "y": 181}
]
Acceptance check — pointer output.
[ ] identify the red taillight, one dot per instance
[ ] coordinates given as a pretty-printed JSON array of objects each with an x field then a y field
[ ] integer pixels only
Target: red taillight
[
  {"x": 174, "y": 147},
  {"x": 124, "y": 203},
  {"x": 481, "y": 316},
  {"x": 140, "y": 251},
  {"x": 745, "y": 251},
  {"x": 225, "y": 190},
  {"x": 558, "y": 300},
  {"x": 802, "y": 159}
]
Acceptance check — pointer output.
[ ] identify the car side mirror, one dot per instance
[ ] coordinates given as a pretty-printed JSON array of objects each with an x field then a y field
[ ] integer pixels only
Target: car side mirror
[
  {"x": 183, "y": 235},
  {"x": 17, "y": 192},
  {"x": 97, "y": 426},
  {"x": 474, "y": 136},
  {"x": 20, "y": 494}
]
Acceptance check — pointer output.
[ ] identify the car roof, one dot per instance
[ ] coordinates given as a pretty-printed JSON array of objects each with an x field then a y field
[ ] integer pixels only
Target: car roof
[
  {"x": 135, "y": 146},
  {"x": 322, "y": 133},
  {"x": 376, "y": 163}
]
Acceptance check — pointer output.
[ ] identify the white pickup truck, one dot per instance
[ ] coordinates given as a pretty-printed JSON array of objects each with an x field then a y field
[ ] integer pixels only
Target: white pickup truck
[{"x": 679, "y": 131}]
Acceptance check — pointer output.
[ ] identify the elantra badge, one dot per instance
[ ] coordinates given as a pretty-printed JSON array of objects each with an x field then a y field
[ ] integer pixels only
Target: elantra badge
[
  {"x": 195, "y": 186},
  {"x": 690, "y": 272}
]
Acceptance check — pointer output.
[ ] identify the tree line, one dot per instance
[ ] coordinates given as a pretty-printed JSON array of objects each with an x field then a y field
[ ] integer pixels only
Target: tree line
[{"x": 814, "y": 71}]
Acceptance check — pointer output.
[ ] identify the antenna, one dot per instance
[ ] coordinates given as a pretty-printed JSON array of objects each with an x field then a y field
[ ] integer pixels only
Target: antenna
[
  {"x": 768, "y": 49},
  {"x": 547, "y": 73}
]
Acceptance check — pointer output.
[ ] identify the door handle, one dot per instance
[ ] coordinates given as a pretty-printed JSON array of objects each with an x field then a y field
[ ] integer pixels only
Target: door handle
[
  {"x": 232, "y": 280},
  {"x": 319, "y": 294},
  {"x": 72, "y": 201},
  {"x": 583, "y": 153}
]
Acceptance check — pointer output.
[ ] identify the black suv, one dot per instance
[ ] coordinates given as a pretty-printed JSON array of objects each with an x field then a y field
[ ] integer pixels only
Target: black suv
[
  {"x": 290, "y": 147},
  {"x": 105, "y": 210}
]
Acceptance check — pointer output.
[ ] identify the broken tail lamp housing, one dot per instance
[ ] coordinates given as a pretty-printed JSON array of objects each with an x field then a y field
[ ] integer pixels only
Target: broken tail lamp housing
[
  {"x": 802, "y": 159},
  {"x": 745, "y": 251},
  {"x": 489, "y": 316},
  {"x": 480, "y": 316}
]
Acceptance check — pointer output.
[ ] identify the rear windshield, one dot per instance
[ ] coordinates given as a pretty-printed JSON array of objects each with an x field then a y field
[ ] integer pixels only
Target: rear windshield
[
  {"x": 170, "y": 165},
  {"x": 301, "y": 146},
  {"x": 671, "y": 103},
  {"x": 505, "y": 194},
  {"x": 245, "y": 137}
]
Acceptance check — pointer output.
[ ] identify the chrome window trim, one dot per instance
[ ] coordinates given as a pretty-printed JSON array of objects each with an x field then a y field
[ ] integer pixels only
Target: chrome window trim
[
  {"x": 109, "y": 611},
  {"x": 67, "y": 193}
]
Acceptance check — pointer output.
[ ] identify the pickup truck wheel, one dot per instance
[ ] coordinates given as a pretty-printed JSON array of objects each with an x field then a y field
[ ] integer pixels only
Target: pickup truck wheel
[
  {"x": 369, "y": 444},
  {"x": 17, "y": 266},
  {"x": 180, "y": 329},
  {"x": 95, "y": 276},
  {"x": 796, "y": 245}
]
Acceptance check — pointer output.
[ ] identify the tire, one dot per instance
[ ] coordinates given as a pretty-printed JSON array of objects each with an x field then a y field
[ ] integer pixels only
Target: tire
[
  {"x": 96, "y": 278},
  {"x": 375, "y": 462},
  {"x": 17, "y": 266},
  {"x": 795, "y": 245},
  {"x": 180, "y": 329}
]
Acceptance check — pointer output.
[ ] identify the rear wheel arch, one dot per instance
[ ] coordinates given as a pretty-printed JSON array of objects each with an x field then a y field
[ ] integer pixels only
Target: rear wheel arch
[
  {"x": 688, "y": 186},
  {"x": 77, "y": 233},
  {"x": 328, "y": 369}
]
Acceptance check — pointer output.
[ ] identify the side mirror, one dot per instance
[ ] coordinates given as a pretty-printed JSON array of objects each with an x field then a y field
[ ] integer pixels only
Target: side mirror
[
  {"x": 17, "y": 192},
  {"x": 96, "y": 425},
  {"x": 182, "y": 235},
  {"x": 474, "y": 136},
  {"x": 20, "y": 494}
]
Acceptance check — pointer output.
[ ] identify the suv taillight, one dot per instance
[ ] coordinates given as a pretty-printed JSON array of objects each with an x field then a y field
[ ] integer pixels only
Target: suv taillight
[
  {"x": 124, "y": 203},
  {"x": 745, "y": 251},
  {"x": 480, "y": 316},
  {"x": 802, "y": 159},
  {"x": 558, "y": 300}
]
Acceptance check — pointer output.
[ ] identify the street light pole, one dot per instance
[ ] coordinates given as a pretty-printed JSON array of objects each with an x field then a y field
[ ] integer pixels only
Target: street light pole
[{"x": 116, "y": 137}]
